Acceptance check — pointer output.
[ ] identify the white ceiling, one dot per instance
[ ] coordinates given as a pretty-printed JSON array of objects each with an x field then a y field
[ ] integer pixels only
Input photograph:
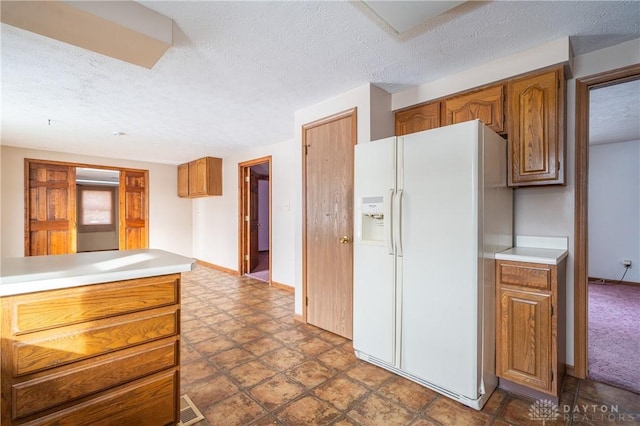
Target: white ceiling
[
  {"x": 238, "y": 70},
  {"x": 614, "y": 113}
]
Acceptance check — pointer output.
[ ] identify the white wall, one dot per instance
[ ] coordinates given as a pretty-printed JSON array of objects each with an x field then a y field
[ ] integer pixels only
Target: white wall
[
  {"x": 1, "y": 180},
  {"x": 169, "y": 216},
  {"x": 614, "y": 210},
  {"x": 215, "y": 219}
]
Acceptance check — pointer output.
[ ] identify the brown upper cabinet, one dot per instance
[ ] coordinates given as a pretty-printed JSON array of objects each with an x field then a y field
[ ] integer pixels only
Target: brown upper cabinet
[
  {"x": 485, "y": 105},
  {"x": 536, "y": 129},
  {"x": 200, "y": 178},
  {"x": 418, "y": 118},
  {"x": 531, "y": 116}
]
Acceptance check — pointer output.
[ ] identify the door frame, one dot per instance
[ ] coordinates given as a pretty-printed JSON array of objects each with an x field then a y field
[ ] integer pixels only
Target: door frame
[
  {"x": 243, "y": 211},
  {"x": 581, "y": 244},
  {"x": 121, "y": 223},
  {"x": 353, "y": 113}
]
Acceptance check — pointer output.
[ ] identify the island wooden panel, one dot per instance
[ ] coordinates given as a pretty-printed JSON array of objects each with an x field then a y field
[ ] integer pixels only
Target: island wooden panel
[
  {"x": 150, "y": 401},
  {"x": 102, "y": 373},
  {"x": 103, "y": 353},
  {"x": 80, "y": 304}
]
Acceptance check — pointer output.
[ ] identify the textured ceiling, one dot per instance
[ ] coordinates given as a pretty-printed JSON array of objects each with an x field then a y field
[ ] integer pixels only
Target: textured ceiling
[
  {"x": 237, "y": 71},
  {"x": 614, "y": 113}
]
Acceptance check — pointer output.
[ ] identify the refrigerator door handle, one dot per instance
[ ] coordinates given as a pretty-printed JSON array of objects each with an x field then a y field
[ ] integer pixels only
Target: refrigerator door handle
[
  {"x": 397, "y": 219},
  {"x": 388, "y": 221}
]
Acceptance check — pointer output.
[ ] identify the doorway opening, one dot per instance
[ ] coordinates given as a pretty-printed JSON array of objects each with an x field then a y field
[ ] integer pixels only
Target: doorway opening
[
  {"x": 255, "y": 219},
  {"x": 97, "y": 198},
  {"x": 587, "y": 309},
  {"x": 614, "y": 231}
]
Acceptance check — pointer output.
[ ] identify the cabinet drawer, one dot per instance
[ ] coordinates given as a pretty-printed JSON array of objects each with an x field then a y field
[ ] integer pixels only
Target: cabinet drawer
[
  {"x": 53, "y": 348},
  {"x": 58, "y": 308},
  {"x": 149, "y": 401},
  {"x": 102, "y": 373},
  {"x": 530, "y": 275}
]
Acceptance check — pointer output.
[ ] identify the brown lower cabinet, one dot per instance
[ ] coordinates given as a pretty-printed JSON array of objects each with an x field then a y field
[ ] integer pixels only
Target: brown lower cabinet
[
  {"x": 530, "y": 338},
  {"x": 101, "y": 354}
]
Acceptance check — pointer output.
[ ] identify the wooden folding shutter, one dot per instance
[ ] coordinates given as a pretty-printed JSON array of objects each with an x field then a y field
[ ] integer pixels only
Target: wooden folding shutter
[
  {"x": 50, "y": 210},
  {"x": 134, "y": 217}
]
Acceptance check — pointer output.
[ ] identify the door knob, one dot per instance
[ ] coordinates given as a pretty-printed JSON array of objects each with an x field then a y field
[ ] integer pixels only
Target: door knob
[{"x": 345, "y": 240}]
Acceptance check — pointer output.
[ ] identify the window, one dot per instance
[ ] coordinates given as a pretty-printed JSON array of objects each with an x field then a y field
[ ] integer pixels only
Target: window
[{"x": 96, "y": 208}]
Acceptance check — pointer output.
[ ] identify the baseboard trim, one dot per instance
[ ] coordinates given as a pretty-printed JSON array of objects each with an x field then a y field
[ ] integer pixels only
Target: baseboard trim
[
  {"x": 570, "y": 370},
  {"x": 614, "y": 282},
  {"x": 519, "y": 389},
  {"x": 217, "y": 267},
  {"x": 298, "y": 317},
  {"x": 281, "y": 286}
]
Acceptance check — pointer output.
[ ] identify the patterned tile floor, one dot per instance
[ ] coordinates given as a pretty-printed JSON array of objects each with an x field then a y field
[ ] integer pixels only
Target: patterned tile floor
[{"x": 245, "y": 361}]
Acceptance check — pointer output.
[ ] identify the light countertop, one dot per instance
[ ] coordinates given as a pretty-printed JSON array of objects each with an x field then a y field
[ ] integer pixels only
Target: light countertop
[
  {"x": 545, "y": 250},
  {"x": 20, "y": 275}
]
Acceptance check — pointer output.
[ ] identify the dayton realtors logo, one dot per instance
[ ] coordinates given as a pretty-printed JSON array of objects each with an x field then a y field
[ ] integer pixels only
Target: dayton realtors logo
[{"x": 545, "y": 410}]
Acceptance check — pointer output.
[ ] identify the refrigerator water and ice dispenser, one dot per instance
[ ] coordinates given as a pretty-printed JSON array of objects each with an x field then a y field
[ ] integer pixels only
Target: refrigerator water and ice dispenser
[{"x": 372, "y": 221}]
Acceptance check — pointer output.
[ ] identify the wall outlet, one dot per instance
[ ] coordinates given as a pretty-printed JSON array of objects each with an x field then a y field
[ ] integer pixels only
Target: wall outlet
[{"x": 626, "y": 263}]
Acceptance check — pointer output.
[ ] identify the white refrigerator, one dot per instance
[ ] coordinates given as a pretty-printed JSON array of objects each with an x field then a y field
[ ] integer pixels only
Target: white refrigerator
[{"x": 432, "y": 209}]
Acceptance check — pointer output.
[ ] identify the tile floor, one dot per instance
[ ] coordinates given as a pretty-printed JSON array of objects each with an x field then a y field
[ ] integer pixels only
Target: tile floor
[{"x": 245, "y": 361}]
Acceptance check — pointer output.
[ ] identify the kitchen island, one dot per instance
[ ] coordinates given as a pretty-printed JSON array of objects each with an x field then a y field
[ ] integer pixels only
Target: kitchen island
[{"x": 91, "y": 338}]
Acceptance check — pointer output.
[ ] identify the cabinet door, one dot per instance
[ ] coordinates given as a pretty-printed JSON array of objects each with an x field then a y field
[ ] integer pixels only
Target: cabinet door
[
  {"x": 183, "y": 180},
  {"x": 536, "y": 129},
  {"x": 485, "y": 105},
  {"x": 417, "y": 119},
  {"x": 524, "y": 338},
  {"x": 198, "y": 177}
]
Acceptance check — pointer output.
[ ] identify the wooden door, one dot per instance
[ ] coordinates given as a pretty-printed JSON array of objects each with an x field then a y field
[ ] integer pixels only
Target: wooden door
[
  {"x": 524, "y": 338},
  {"x": 50, "y": 210},
  {"x": 253, "y": 220},
  {"x": 134, "y": 217},
  {"x": 328, "y": 214}
]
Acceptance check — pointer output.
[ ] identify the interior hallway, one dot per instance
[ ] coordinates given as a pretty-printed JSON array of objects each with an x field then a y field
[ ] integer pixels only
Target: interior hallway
[{"x": 245, "y": 361}]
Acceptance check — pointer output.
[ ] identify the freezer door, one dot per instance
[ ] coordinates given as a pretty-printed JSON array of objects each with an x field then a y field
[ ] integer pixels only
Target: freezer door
[
  {"x": 374, "y": 283},
  {"x": 440, "y": 257}
]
